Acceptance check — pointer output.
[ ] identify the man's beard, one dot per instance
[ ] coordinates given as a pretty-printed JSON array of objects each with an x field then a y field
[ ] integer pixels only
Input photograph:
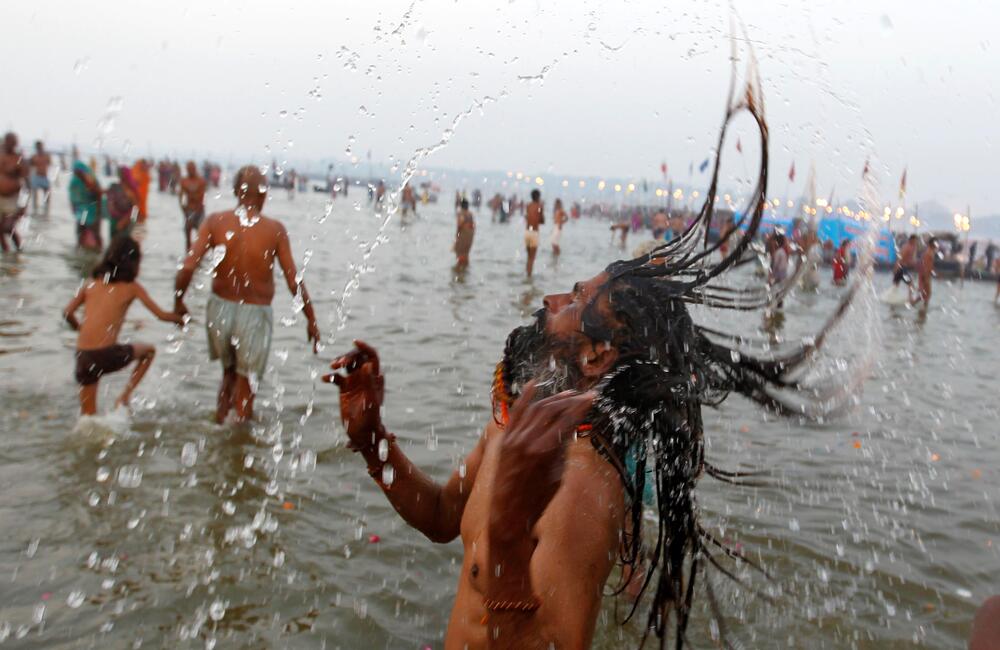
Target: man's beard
[{"x": 534, "y": 354}]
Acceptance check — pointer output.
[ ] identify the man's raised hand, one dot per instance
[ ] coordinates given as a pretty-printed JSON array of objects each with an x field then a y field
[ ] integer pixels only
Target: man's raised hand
[
  {"x": 533, "y": 457},
  {"x": 362, "y": 388}
]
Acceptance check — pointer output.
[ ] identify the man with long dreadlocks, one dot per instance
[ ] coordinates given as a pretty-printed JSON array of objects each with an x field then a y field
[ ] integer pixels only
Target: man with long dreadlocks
[{"x": 597, "y": 411}]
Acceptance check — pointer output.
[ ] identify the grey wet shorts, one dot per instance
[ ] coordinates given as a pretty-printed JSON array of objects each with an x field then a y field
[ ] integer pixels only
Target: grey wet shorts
[{"x": 239, "y": 334}]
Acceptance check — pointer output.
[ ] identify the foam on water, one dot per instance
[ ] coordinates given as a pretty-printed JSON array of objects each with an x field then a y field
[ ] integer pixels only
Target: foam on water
[{"x": 111, "y": 425}]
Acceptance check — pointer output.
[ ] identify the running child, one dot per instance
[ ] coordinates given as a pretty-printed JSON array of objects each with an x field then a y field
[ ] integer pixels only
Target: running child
[{"x": 107, "y": 298}]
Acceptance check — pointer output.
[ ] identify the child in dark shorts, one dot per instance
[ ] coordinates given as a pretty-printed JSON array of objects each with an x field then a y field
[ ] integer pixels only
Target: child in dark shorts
[{"x": 107, "y": 298}]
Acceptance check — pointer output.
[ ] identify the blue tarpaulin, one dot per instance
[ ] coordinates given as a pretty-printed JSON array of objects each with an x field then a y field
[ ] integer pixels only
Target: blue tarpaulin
[{"x": 836, "y": 230}]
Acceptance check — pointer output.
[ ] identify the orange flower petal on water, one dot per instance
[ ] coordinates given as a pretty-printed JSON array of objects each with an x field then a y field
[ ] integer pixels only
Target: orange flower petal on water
[
  {"x": 857, "y": 444},
  {"x": 744, "y": 429},
  {"x": 288, "y": 505},
  {"x": 977, "y": 473},
  {"x": 935, "y": 458}
]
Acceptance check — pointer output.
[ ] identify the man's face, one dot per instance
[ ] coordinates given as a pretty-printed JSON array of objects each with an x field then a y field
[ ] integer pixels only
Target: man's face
[
  {"x": 564, "y": 311},
  {"x": 10, "y": 142},
  {"x": 554, "y": 350},
  {"x": 192, "y": 170}
]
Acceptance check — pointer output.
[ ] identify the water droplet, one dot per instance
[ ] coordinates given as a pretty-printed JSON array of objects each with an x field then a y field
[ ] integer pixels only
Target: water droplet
[
  {"x": 217, "y": 610},
  {"x": 228, "y": 507},
  {"x": 129, "y": 476},
  {"x": 388, "y": 474},
  {"x": 793, "y": 524},
  {"x": 308, "y": 461},
  {"x": 383, "y": 449},
  {"x": 102, "y": 474},
  {"x": 189, "y": 454},
  {"x": 75, "y": 598}
]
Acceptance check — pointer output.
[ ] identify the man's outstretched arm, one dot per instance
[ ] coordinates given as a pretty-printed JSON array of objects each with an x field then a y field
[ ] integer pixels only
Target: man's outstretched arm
[
  {"x": 199, "y": 247},
  {"x": 435, "y": 510},
  {"x": 296, "y": 285}
]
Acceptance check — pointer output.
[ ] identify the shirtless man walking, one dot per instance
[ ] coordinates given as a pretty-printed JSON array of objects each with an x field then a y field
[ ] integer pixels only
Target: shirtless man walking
[
  {"x": 13, "y": 173},
  {"x": 907, "y": 261},
  {"x": 239, "y": 320},
  {"x": 40, "y": 177},
  {"x": 192, "y": 199},
  {"x": 924, "y": 274},
  {"x": 534, "y": 217}
]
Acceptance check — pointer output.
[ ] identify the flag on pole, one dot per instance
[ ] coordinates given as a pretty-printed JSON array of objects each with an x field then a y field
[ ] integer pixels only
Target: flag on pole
[
  {"x": 663, "y": 168},
  {"x": 791, "y": 173},
  {"x": 902, "y": 185},
  {"x": 864, "y": 172},
  {"x": 703, "y": 166},
  {"x": 739, "y": 145}
]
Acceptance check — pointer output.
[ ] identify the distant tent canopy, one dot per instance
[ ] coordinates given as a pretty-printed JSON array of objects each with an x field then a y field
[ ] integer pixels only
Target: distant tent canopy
[{"x": 836, "y": 230}]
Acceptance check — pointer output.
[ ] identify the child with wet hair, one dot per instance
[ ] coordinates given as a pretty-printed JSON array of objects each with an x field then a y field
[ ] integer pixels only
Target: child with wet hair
[{"x": 107, "y": 296}]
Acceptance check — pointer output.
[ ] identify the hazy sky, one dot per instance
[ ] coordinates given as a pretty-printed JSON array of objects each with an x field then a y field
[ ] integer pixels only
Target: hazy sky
[{"x": 626, "y": 85}]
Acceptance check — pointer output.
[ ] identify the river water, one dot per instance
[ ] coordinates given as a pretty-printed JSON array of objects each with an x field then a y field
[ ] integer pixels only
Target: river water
[{"x": 879, "y": 527}]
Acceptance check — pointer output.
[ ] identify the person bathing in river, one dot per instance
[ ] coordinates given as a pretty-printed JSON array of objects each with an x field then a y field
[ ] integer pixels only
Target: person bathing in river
[
  {"x": 534, "y": 217},
  {"x": 239, "y": 321},
  {"x": 13, "y": 176},
  {"x": 192, "y": 200},
  {"x": 906, "y": 263},
  {"x": 465, "y": 230},
  {"x": 106, "y": 299},
  {"x": 595, "y": 405},
  {"x": 924, "y": 274},
  {"x": 559, "y": 219}
]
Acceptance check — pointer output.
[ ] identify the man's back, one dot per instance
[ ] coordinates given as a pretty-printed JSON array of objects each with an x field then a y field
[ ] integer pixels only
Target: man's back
[
  {"x": 246, "y": 272},
  {"x": 908, "y": 254},
  {"x": 534, "y": 215}
]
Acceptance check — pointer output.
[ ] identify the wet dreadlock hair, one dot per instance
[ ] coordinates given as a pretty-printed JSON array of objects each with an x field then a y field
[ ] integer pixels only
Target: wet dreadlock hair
[{"x": 647, "y": 419}]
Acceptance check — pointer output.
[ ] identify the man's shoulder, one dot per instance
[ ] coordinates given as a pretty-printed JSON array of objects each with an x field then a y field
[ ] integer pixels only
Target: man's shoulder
[{"x": 274, "y": 225}]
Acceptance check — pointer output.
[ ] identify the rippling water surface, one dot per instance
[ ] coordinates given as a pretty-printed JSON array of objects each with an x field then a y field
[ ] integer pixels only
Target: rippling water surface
[{"x": 878, "y": 527}]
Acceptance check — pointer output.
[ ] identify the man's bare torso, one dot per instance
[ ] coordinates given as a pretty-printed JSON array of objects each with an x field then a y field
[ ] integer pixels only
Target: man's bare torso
[
  {"x": 600, "y": 512},
  {"x": 246, "y": 272},
  {"x": 193, "y": 194},
  {"x": 908, "y": 256},
  {"x": 40, "y": 164},
  {"x": 11, "y": 174}
]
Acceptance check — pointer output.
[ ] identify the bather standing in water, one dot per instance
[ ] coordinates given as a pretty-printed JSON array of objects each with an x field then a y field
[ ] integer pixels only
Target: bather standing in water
[
  {"x": 925, "y": 271},
  {"x": 559, "y": 219},
  {"x": 239, "y": 320},
  {"x": 464, "y": 232},
  {"x": 534, "y": 217},
  {"x": 192, "y": 200},
  {"x": 13, "y": 174},
  {"x": 595, "y": 403}
]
